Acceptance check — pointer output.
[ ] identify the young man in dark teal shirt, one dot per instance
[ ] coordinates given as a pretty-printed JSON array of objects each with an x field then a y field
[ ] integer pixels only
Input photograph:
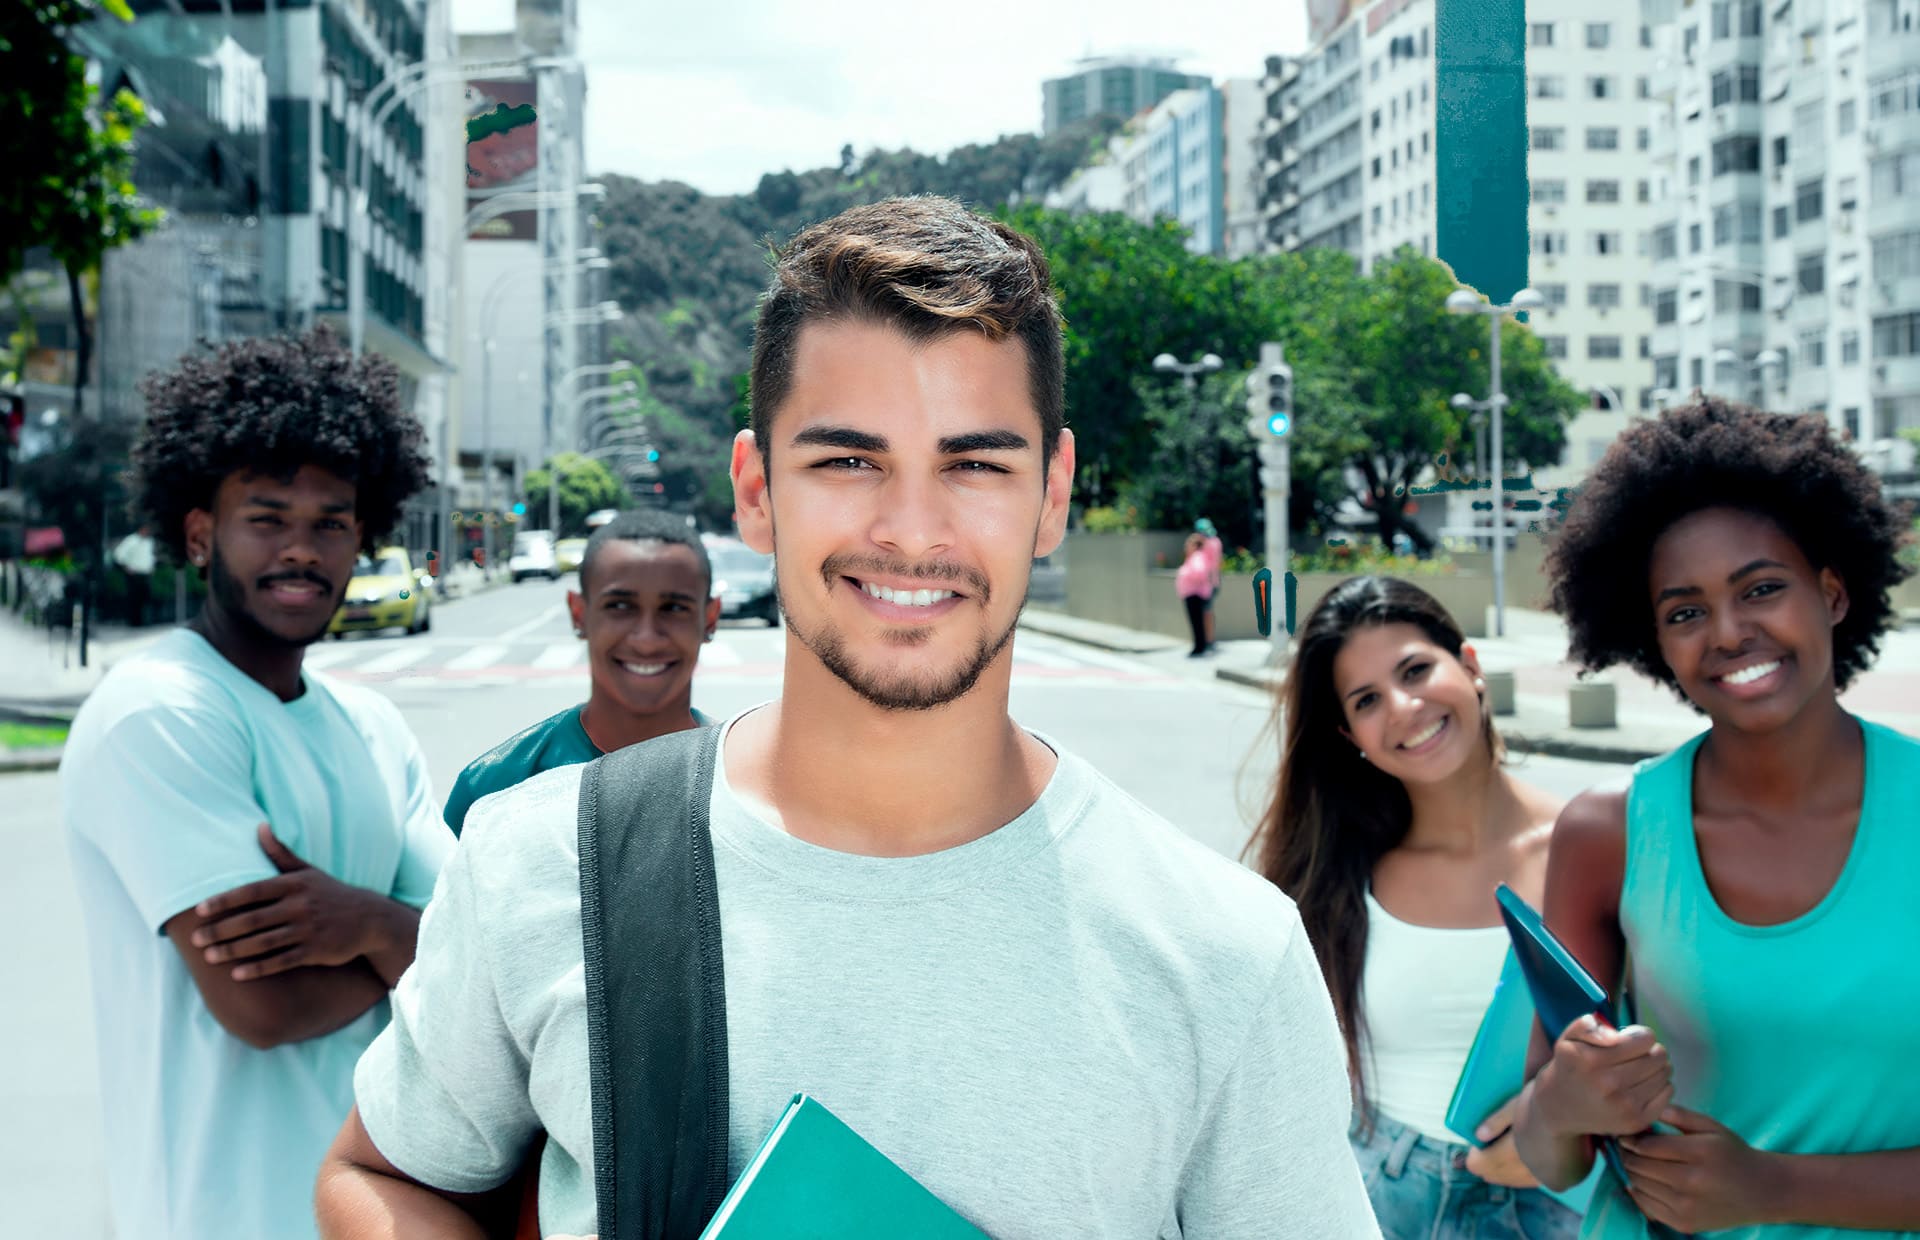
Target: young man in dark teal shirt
[{"x": 644, "y": 607}]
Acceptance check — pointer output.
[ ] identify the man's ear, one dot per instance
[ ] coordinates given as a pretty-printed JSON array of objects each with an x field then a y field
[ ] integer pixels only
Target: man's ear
[
  {"x": 199, "y": 532},
  {"x": 752, "y": 504},
  {"x": 1059, "y": 497},
  {"x": 577, "y": 608},
  {"x": 713, "y": 616}
]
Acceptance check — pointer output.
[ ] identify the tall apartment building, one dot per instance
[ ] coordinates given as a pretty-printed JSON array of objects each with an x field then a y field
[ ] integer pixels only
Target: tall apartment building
[
  {"x": 1351, "y": 163},
  {"x": 1243, "y": 103},
  {"x": 1171, "y": 162},
  {"x": 1787, "y": 249},
  {"x": 1120, "y": 86}
]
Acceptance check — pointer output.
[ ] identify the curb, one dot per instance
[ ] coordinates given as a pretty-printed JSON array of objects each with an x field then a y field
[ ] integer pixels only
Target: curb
[
  {"x": 1119, "y": 642},
  {"x": 25, "y": 761}
]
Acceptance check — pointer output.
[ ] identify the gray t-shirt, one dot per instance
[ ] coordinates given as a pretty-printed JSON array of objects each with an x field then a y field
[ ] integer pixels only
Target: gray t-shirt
[{"x": 1082, "y": 1024}]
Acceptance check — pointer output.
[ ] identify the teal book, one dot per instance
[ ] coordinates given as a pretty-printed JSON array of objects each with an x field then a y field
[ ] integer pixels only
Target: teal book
[{"x": 814, "y": 1178}]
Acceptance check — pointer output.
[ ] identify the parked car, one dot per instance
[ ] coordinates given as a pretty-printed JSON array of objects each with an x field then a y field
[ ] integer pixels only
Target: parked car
[
  {"x": 743, "y": 582},
  {"x": 533, "y": 557},
  {"x": 386, "y": 592},
  {"x": 568, "y": 552}
]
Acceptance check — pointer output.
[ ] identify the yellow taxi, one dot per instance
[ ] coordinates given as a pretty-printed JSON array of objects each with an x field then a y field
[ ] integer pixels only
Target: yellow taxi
[
  {"x": 385, "y": 593},
  {"x": 567, "y": 554}
]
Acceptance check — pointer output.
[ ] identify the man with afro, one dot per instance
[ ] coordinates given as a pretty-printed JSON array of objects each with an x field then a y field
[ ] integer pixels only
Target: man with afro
[{"x": 253, "y": 843}]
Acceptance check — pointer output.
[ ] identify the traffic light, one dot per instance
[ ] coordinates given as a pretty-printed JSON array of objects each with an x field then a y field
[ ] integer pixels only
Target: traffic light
[
  {"x": 653, "y": 454},
  {"x": 1270, "y": 400},
  {"x": 519, "y": 510}
]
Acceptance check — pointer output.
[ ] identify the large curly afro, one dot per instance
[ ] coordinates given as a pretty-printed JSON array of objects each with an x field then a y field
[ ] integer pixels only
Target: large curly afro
[
  {"x": 1711, "y": 454},
  {"x": 270, "y": 405}
]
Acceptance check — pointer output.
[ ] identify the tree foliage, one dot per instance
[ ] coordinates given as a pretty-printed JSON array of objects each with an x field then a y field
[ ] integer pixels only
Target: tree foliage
[{"x": 586, "y": 486}]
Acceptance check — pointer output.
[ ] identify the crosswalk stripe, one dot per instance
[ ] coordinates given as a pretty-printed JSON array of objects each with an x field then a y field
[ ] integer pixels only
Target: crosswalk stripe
[
  {"x": 393, "y": 661},
  {"x": 322, "y": 657},
  {"x": 719, "y": 654},
  {"x": 559, "y": 656},
  {"x": 476, "y": 658},
  {"x": 1041, "y": 658}
]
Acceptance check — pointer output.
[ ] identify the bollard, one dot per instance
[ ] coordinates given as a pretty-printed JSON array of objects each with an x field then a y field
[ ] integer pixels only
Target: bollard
[
  {"x": 1590, "y": 704},
  {"x": 1499, "y": 692}
]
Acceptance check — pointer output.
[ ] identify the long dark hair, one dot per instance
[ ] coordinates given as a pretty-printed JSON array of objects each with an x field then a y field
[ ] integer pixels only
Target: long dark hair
[{"x": 1333, "y": 815}]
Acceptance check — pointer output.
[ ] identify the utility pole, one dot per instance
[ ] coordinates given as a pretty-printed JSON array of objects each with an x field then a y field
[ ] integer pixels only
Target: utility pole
[{"x": 1270, "y": 419}]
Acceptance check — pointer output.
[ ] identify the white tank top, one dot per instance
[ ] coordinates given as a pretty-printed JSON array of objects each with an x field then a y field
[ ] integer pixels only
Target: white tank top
[{"x": 1424, "y": 991}]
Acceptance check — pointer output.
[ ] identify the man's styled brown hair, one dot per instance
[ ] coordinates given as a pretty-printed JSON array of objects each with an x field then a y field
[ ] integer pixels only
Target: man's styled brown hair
[{"x": 926, "y": 267}]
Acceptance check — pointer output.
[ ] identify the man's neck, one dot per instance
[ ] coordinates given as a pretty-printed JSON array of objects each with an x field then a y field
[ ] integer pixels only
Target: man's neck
[
  {"x": 844, "y": 774},
  {"x": 276, "y": 666},
  {"x": 611, "y": 728}
]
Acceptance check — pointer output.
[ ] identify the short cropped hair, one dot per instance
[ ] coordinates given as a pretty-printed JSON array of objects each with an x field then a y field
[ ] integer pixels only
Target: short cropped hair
[
  {"x": 645, "y": 525},
  {"x": 926, "y": 267},
  {"x": 271, "y": 405},
  {"x": 1712, "y": 453}
]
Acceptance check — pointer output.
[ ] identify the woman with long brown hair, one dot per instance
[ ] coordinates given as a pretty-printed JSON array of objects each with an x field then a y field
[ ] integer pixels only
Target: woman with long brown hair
[{"x": 1392, "y": 821}]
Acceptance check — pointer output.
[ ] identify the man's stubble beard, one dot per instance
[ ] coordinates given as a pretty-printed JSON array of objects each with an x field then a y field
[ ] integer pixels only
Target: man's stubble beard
[{"x": 225, "y": 588}]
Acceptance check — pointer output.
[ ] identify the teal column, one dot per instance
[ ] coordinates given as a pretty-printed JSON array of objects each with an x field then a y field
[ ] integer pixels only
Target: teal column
[{"x": 1480, "y": 142}]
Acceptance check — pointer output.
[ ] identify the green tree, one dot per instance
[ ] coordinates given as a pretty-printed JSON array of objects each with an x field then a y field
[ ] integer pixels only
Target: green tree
[
  {"x": 68, "y": 155},
  {"x": 586, "y": 486}
]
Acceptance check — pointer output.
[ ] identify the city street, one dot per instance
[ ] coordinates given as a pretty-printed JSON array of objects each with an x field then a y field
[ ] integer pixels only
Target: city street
[{"x": 1160, "y": 725}]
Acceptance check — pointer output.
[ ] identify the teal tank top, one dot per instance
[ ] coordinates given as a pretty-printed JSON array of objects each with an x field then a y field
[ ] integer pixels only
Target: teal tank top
[{"x": 1804, "y": 1037}]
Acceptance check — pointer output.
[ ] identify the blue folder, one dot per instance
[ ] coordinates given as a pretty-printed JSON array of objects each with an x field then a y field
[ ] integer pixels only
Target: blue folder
[{"x": 1496, "y": 1068}]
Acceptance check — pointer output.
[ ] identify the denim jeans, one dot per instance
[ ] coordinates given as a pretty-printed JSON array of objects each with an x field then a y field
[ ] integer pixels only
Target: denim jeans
[{"x": 1421, "y": 1190}]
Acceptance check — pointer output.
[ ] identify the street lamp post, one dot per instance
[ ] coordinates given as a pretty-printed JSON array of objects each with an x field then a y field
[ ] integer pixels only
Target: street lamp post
[
  {"x": 1466, "y": 301},
  {"x": 605, "y": 312}
]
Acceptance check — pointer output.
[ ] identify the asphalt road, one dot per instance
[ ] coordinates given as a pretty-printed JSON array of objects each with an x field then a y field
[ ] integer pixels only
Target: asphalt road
[{"x": 1191, "y": 747}]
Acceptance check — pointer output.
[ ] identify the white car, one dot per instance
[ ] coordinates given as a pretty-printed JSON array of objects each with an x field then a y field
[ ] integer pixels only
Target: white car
[{"x": 533, "y": 557}]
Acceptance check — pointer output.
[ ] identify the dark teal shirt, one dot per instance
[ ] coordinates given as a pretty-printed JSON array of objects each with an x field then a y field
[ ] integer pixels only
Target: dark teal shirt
[{"x": 553, "y": 742}]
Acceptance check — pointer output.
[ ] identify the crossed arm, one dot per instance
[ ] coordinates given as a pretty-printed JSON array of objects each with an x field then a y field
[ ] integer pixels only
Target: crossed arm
[{"x": 295, "y": 956}]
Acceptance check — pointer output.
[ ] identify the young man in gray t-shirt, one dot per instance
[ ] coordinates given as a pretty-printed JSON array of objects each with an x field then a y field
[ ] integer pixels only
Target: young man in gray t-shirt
[{"x": 1060, "y": 1014}]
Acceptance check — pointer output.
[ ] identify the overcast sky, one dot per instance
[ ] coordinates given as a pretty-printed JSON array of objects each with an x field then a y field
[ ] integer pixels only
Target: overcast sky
[{"x": 717, "y": 92}]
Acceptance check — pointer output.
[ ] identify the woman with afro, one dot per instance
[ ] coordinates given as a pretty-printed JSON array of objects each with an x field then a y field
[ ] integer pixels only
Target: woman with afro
[{"x": 1754, "y": 891}]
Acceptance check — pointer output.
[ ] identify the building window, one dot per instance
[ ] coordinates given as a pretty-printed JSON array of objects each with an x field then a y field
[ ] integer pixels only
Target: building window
[
  {"x": 1603, "y": 348},
  {"x": 1646, "y": 36},
  {"x": 1550, "y": 191},
  {"x": 1808, "y": 201},
  {"x": 1897, "y": 257},
  {"x": 1849, "y": 348},
  {"x": 1549, "y": 243},
  {"x": 1780, "y": 152},
  {"x": 1890, "y": 177},
  {"x": 1782, "y": 222},
  {"x": 1696, "y": 372},
  {"x": 1541, "y": 34},
  {"x": 1723, "y": 224},
  {"x": 1897, "y": 335},
  {"x": 1894, "y": 95},
  {"x": 1750, "y": 18},
  {"x": 1607, "y": 243},
  {"x": 1813, "y": 350},
  {"x": 1735, "y": 297},
  {"x": 1666, "y": 306},
  {"x": 1850, "y": 419},
  {"x": 1810, "y": 274},
  {"x": 1646, "y": 191},
  {"x": 1546, "y": 137},
  {"x": 1600, "y": 87},
  {"x": 1603, "y": 138},
  {"x": 1644, "y": 138},
  {"x": 1737, "y": 154},
  {"x": 1693, "y": 239},
  {"x": 1693, "y": 171},
  {"x": 1642, "y": 88},
  {"x": 1599, "y": 34},
  {"x": 1847, "y": 116},
  {"x": 1666, "y": 242},
  {"x": 1646, "y": 347},
  {"x": 1556, "y": 294},
  {"x": 1555, "y": 347},
  {"x": 1603, "y": 191},
  {"x": 1376, "y": 167},
  {"x": 1603, "y": 296},
  {"x": 1376, "y": 120},
  {"x": 1549, "y": 86},
  {"x": 1722, "y": 19}
]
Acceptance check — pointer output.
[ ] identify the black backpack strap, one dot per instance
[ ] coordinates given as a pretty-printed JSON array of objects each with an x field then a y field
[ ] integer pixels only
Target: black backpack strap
[{"x": 656, "y": 991}]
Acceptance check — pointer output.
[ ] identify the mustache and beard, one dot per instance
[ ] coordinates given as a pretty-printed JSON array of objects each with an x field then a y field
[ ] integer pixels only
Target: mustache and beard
[
  {"x": 231, "y": 596},
  {"x": 918, "y": 689}
]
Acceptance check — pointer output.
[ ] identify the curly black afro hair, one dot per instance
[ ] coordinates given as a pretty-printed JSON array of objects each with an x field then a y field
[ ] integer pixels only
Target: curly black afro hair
[
  {"x": 1716, "y": 454},
  {"x": 270, "y": 405}
]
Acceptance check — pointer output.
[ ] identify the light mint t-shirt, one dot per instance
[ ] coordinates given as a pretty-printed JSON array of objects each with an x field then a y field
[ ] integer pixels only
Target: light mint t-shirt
[
  {"x": 1084, "y": 1024},
  {"x": 173, "y": 762}
]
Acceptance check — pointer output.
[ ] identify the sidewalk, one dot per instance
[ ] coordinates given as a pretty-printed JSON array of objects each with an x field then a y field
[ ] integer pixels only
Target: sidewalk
[
  {"x": 1652, "y": 720},
  {"x": 41, "y": 679}
]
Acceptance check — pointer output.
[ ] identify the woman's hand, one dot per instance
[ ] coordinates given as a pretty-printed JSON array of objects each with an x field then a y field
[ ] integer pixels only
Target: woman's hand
[
  {"x": 1498, "y": 1162},
  {"x": 1603, "y": 1081},
  {"x": 1701, "y": 1178}
]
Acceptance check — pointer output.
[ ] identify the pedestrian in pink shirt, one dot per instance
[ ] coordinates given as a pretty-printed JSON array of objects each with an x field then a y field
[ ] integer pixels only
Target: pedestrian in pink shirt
[
  {"x": 1194, "y": 582},
  {"x": 1216, "y": 551}
]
